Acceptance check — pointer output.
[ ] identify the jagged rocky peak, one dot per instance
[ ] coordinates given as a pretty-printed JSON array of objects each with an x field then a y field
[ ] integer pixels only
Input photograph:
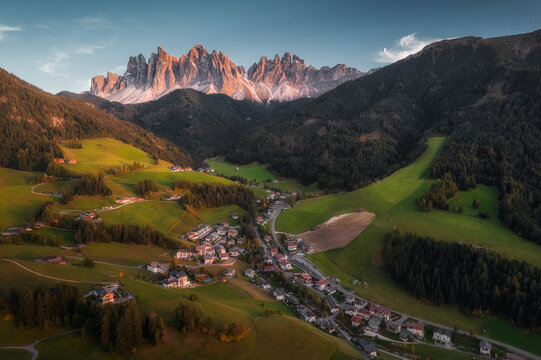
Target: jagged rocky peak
[{"x": 280, "y": 79}]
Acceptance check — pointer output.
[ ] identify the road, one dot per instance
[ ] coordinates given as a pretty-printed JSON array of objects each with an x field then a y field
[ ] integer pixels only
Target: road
[
  {"x": 306, "y": 265},
  {"x": 32, "y": 347}
]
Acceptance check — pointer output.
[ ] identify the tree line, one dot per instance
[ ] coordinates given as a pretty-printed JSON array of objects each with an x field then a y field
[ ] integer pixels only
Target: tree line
[
  {"x": 147, "y": 186},
  {"x": 480, "y": 281},
  {"x": 89, "y": 232},
  {"x": 93, "y": 185},
  {"x": 209, "y": 195}
]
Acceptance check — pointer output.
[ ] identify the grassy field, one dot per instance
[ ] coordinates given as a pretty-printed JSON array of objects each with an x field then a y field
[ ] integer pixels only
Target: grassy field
[
  {"x": 507, "y": 333},
  {"x": 79, "y": 348},
  {"x": 68, "y": 237},
  {"x": 17, "y": 203},
  {"x": 14, "y": 355},
  {"x": 252, "y": 172},
  {"x": 104, "y": 153},
  {"x": 125, "y": 254},
  {"x": 392, "y": 200},
  {"x": 61, "y": 187},
  {"x": 161, "y": 215}
]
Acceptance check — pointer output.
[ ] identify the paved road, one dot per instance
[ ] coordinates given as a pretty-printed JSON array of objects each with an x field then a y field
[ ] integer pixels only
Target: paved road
[{"x": 32, "y": 347}]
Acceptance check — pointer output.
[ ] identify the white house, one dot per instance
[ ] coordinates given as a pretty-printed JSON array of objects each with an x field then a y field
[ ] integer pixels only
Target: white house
[
  {"x": 322, "y": 284},
  {"x": 485, "y": 348},
  {"x": 250, "y": 273},
  {"x": 157, "y": 268},
  {"x": 442, "y": 337}
]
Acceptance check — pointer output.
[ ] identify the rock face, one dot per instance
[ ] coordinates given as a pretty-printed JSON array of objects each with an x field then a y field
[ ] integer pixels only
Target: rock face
[{"x": 281, "y": 79}]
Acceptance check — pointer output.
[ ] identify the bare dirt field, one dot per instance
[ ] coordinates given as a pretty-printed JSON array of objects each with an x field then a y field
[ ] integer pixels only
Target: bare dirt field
[{"x": 338, "y": 231}]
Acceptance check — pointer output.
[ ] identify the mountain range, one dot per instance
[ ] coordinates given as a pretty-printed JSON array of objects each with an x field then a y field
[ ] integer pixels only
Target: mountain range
[{"x": 279, "y": 79}]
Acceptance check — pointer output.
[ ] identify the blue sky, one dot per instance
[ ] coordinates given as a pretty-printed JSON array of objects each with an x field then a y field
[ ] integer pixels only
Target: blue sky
[{"x": 60, "y": 45}]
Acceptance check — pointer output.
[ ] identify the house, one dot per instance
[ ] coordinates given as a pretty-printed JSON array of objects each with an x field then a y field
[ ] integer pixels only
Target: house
[
  {"x": 274, "y": 251},
  {"x": 250, "y": 273},
  {"x": 224, "y": 224},
  {"x": 56, "y": 260},
  {"x": 259, "y": 219},
  {"x": 266, "y": 286},
  {"x": 417, "y": 329},
  {"x": 232, "y": 233},
  {"x": 321, "y": 284},
  {"x": 285, "y": 264},
  {"x": 199, "y": 232},
  {"x": 279, "y": 295},
  {"x": 267, "y": 238},
  {"x": 177, "y": 279},
  {"x": 157, "y": 268},
  {"x": 485, "y": 348},
  {"x": 225, "y": 256},
  {"x": 379, "y": 310},
  {"x": 208, "y": 259},
  {"x": 334, "y": 309},
  {"x": 356, "y": 321},
  {"x": 125, "y": 199},
  {"x": 268, "y": 260},
  {"x": 105, "y": 295},
  {"x": 404, "y": 334},
  {"x": 363, "y": 314},
  {"x": 442, "y": 337},
  {"x": 291, "y": 246},
  {"x": 351, "y": 311},
  {"x": 70, "y": 161},
  {"x": 59, "y": 160},
  {"x": 234, "y": 251},
  {"x": 229, "y": 273},
  {"x": 369, "y": 348},
  {"x": 374, "y": 323},
  {"x": 393, "y": 327},
  {"x": 350, "y": 298},
  {"x": 172, "y": 197},
  {"x": 326, "y": 325},
  {"x": 309, "y": 316},
  {"x": 183, "y": 254}
]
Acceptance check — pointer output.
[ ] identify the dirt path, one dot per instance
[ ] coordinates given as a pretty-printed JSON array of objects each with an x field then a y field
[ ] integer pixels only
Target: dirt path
[
  {"x": 58, "y": 279},
  {"x": 32, "y": 347},
  {"x": 338, "y": 231}
]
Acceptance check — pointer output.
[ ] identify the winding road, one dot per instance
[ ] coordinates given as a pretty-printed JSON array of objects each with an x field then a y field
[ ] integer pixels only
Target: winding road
[{"x": 32, "y": 347}]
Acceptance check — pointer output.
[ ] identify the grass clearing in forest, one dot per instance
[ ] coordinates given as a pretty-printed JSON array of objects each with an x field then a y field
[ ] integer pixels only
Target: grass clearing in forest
[{"x": 253, "y": 172}]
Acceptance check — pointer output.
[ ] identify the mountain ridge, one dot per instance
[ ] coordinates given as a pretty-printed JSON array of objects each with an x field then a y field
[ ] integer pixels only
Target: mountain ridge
[{"x": 282, "y": 79}]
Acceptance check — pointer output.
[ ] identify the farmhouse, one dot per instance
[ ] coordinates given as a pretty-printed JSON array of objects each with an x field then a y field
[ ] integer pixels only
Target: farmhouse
[
  {"x": 249, "y": 273},
  {"x": 157, "y": 268},
  {"x": 485, "y": 347},
  {"x": 57, "y": 260},
  {"x": 442, "y": 337},
  {"x": 125, "y": 200},
  {"x": 417, "y": 329},
  {"x": 279, "y": 295},
  {"x": 229, "y": 273},
  {"x": 105, "y": 295},
  {"x": 172, "y": 197},
  {"x": 70, "y": 161}
]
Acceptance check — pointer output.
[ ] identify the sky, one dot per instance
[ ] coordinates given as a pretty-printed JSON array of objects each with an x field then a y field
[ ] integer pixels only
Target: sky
[{"x": 61, "y": 45}]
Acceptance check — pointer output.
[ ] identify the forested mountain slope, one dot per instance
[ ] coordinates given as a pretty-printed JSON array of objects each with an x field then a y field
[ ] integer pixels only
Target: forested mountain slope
[
  {"x": 204, "y": 125},
  {"x": 483, "y": 93},
  {"x": 33, "y": 121}
]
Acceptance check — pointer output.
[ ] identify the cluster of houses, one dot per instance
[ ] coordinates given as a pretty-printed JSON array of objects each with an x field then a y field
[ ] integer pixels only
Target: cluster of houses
[
  {"x": 216, "y": 244},
  {"x": 109, "y": 294},
  {"x": 178, "y": 168},
  {"x": 172, "y": 197},
  {"x": 89, "y": 217},
  {"x": 65, "y": 161},
  {"x": 15, "y": 230},
  {"x": 127, "y": 200},
  {"x": 56, "y": 260}
]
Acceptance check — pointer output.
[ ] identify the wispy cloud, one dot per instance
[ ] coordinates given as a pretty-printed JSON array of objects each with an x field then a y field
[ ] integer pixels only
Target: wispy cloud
[
  {"x": 94, "y": 22},
  {"x": 4, "y": 28},
  {"x": 407, "y": 45},
  {"x": 50, "y": 67},
  {"x": 90, "y": 49},
  {"x": 118, "y": 69}
]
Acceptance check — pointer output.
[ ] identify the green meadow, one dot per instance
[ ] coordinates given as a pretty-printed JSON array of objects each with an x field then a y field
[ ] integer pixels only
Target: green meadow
[
  {"x": 253, "y": 172},
  {"x": 104, "y": 153},
  {"x": 17, "y": 203},
  {"x": 392, "y": 200},
  {"x": 288, "y": 186}
]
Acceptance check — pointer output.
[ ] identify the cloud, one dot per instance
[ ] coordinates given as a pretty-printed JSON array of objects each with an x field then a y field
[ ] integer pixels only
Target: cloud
[
  {"x": 90, "y": 49},
  {"x": 50, "y": 67},
  {"x": 407, "y": 45},
  {"x": 94, "y": 22},
  {"x": 118, "y": 69},
  {"x": 4, "y": 28}
]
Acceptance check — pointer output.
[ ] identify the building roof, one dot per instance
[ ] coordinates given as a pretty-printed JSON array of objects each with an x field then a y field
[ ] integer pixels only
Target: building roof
[
  {"x": 442, "y": 331},
  {"x": 415, "y": 325}
]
